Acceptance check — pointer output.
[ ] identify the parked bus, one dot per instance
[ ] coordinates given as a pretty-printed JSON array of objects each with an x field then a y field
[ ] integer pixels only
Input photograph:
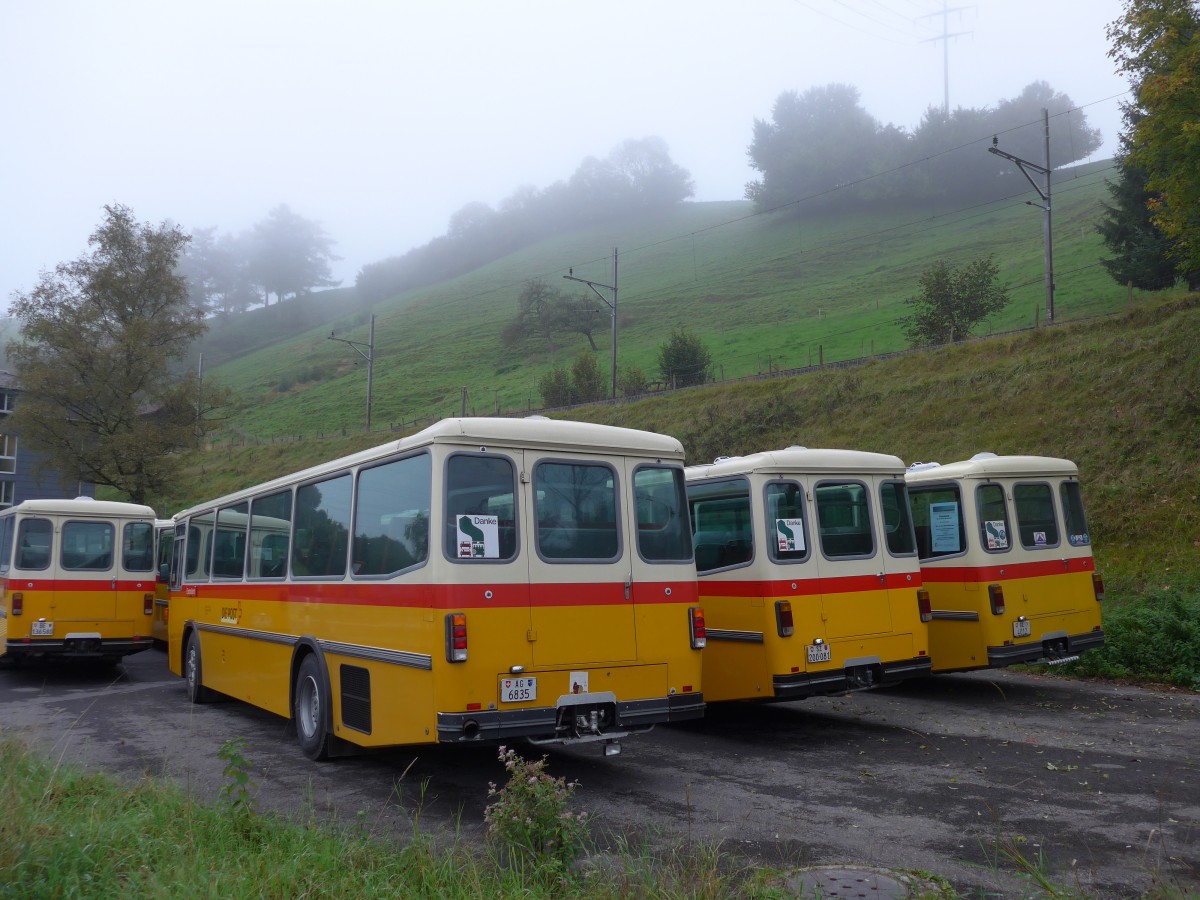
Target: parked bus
[
  {"x": 808, "y": 574},
  {"x": 1007, "y": 559},
  {"x": 78, "y": 579},
  {"x": 164, "y": 536},
  {"x": 484, "y": 579}
]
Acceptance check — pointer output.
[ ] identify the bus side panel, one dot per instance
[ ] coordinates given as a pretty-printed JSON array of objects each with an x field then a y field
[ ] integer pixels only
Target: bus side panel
[
  {"x": 248, "y": 669},
  {"x": 378, "y": 704}
]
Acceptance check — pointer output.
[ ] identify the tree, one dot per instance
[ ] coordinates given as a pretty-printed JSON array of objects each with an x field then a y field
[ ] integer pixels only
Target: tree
[
  {"x": 632, "y": 381},
  {"x": 814, "y": 142},
  {"x": 1156, "y": 43},
  {"x": 590, "y": 384},
  {"x": 99, "y": 337},
  {"x": 545, "y": 312},
  {"x": 1142, "y": 253},
  {"x": 290, "y": 255},
  {"x": 556, "y": 388},
  {"x": 683, "y": 359},
  {"x": 953, "y": 301}
]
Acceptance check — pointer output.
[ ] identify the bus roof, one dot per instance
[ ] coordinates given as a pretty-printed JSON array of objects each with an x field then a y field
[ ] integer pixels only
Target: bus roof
[
  {"x": 83, "y": 506},
  {"x": 801, "y": 460},
  {"x": 989, "y": 465},
  {"x": 534, "y": 432}
]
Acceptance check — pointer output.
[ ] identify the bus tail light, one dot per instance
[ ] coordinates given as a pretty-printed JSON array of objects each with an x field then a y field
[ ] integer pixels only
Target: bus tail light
[
  {"x": 148, "y": 604},
  {"x": 18, "y": 604},
  {"x": 456, "y": 637},
  {"x": 996, "y": 595},
  {"x": 1098, "y": 585},
  {"x": 924, "y": 606},
  {"x": 783, "y": 618},
  {"x": 696, "y": 623}
]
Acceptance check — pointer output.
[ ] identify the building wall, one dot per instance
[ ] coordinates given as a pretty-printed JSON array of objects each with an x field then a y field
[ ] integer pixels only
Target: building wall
[{"x": 19, "y": 479}]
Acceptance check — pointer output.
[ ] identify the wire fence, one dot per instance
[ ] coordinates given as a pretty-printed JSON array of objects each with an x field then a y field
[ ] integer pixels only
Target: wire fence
[{"x": 236, "y": 438}]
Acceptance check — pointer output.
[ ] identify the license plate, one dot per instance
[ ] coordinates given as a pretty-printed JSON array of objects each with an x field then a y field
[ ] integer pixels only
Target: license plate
[
  {"x": 819, "y": 653},
  {"x": 518, "y": 690},
  {"x": 43, "y": 629},
  {"x": 1021, "y": 629}
]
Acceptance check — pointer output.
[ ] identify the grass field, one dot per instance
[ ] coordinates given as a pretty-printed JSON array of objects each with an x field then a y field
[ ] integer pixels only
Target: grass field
[{"x": 764, "y": 292}]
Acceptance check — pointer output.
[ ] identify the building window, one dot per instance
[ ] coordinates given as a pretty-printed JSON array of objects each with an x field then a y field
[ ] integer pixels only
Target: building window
[
  {"x": 8, "y": 453},
  {"x": 6, "y": 402},
  {"x": 6, "y": 494}
]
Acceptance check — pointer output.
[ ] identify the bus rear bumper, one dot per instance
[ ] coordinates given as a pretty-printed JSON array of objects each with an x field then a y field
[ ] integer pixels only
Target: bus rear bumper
[
  {"x": 851, "y": 678},
  {"x": 598, "y": 718},
  {"x": 84, "y": 647},
  {"x": 1052, "y": 651}
]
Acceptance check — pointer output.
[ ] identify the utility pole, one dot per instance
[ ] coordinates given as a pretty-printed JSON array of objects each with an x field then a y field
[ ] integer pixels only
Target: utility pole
[
  {"x": 945, "y": 39},
  {"x": 1044, "y": 192},
  {"x": 368, "y": 355},
  {"x": 594, "y": 285}
]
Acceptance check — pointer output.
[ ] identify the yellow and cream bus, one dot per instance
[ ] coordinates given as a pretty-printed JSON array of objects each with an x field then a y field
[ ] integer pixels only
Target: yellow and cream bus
[
  {"x": 1007, "y": 559},
  {"x": 484, "y": 579},
  {"x": 808, "y": 574},
  {"x": 164, "y": 535},
  {"x": 78, "y": 579}
]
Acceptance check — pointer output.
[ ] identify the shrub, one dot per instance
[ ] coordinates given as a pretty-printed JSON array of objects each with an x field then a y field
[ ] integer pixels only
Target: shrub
[
  {"x": 531, "y": 816},
  {"x": 1155, "y": 637}
]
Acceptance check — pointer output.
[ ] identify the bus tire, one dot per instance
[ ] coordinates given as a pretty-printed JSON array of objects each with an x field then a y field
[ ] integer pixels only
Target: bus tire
[
  {"x": 310, "y": 709},
  {"x": 193, "y": 672}
]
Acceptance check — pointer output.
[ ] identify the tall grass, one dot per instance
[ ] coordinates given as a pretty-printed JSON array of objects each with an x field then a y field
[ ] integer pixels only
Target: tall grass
[{"x": 66, "y": 832}]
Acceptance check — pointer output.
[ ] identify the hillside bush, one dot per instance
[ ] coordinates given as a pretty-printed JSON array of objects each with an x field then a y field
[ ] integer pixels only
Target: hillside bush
[{"x": 1154, "y": 637}]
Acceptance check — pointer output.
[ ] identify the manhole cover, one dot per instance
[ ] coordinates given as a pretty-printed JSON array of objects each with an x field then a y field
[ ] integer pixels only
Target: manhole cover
[{"x": 844, "y": 882}]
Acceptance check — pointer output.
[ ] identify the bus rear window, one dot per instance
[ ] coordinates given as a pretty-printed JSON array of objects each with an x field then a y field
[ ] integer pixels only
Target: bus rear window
[
  {"x": 87, "y": 545},
  {"x": 937, "y": 520},
  {"x": 897, "y": 521},
  {"x": 576, "y": 510},
  {"x": 844, "y": 519},
  {"x": 481, "y": 515},
  {"x": 721, "y": 519},
  {"x": 1076, "y": 522},
  {"x": 787, "y": 532},
  {"x": 662, "y": 523},
  {"x": 1035, "y": 515}
]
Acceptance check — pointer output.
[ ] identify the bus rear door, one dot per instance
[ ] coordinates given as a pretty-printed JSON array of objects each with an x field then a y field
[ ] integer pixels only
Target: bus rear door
[
  {"x": 580, "y": 575},
  {"x": 854, "y": 597}
]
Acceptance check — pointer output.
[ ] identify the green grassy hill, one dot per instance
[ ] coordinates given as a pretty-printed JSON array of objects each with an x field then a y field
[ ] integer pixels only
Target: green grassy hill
[
  {"x": 1113, "y": 386},
  {"x": 771, "y": 291}
]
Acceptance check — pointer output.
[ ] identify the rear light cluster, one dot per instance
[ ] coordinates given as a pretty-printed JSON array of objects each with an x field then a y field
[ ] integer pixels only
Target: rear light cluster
[
  {"x": 18, "y": 604},
  {"x": 1098, "y": 585},
  {"x": 696, "y": 626},
  {"x": 783, "y": 618},
  {"x": 456, "y": 637},
  {"x": 148, "y": 604},
  {"x": 996, "y": 596},
  {"x": 924, "y": 607}
]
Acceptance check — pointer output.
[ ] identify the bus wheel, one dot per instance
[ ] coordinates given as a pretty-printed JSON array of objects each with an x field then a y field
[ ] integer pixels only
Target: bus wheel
[
  {"x": 311, "y": 710},
  {"x": 196, "y": 691}
]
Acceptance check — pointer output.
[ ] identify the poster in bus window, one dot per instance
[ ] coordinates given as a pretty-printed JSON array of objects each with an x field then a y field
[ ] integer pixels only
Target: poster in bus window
[
  {"x": 478, "y": 537},
  {"x": 997, "y": 535},
  {"x": 943, "y": 527},
  {"x": 789, "y": 535}
]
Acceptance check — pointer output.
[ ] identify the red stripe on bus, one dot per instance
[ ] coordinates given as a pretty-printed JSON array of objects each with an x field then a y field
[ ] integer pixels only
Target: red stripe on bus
[
  {"x": 100, "y": 585},
  {"x": 502, "y": 595},
  {"x": 809, "y": 587},
  {"x": 981, "y": 574}
]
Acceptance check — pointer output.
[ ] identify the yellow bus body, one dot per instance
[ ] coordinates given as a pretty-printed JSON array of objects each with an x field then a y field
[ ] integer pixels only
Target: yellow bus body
[
  {"x": 1007, "y": 560},
  {"x": 77, "y": 579},
  {"x": 587, "y": 646},
  {"x": 164, "y": 535},
  {"x": 839, "y": 608}
]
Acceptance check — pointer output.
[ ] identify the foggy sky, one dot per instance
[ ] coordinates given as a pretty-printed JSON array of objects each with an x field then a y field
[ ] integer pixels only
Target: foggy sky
[{"x": 381, "y": 118}]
